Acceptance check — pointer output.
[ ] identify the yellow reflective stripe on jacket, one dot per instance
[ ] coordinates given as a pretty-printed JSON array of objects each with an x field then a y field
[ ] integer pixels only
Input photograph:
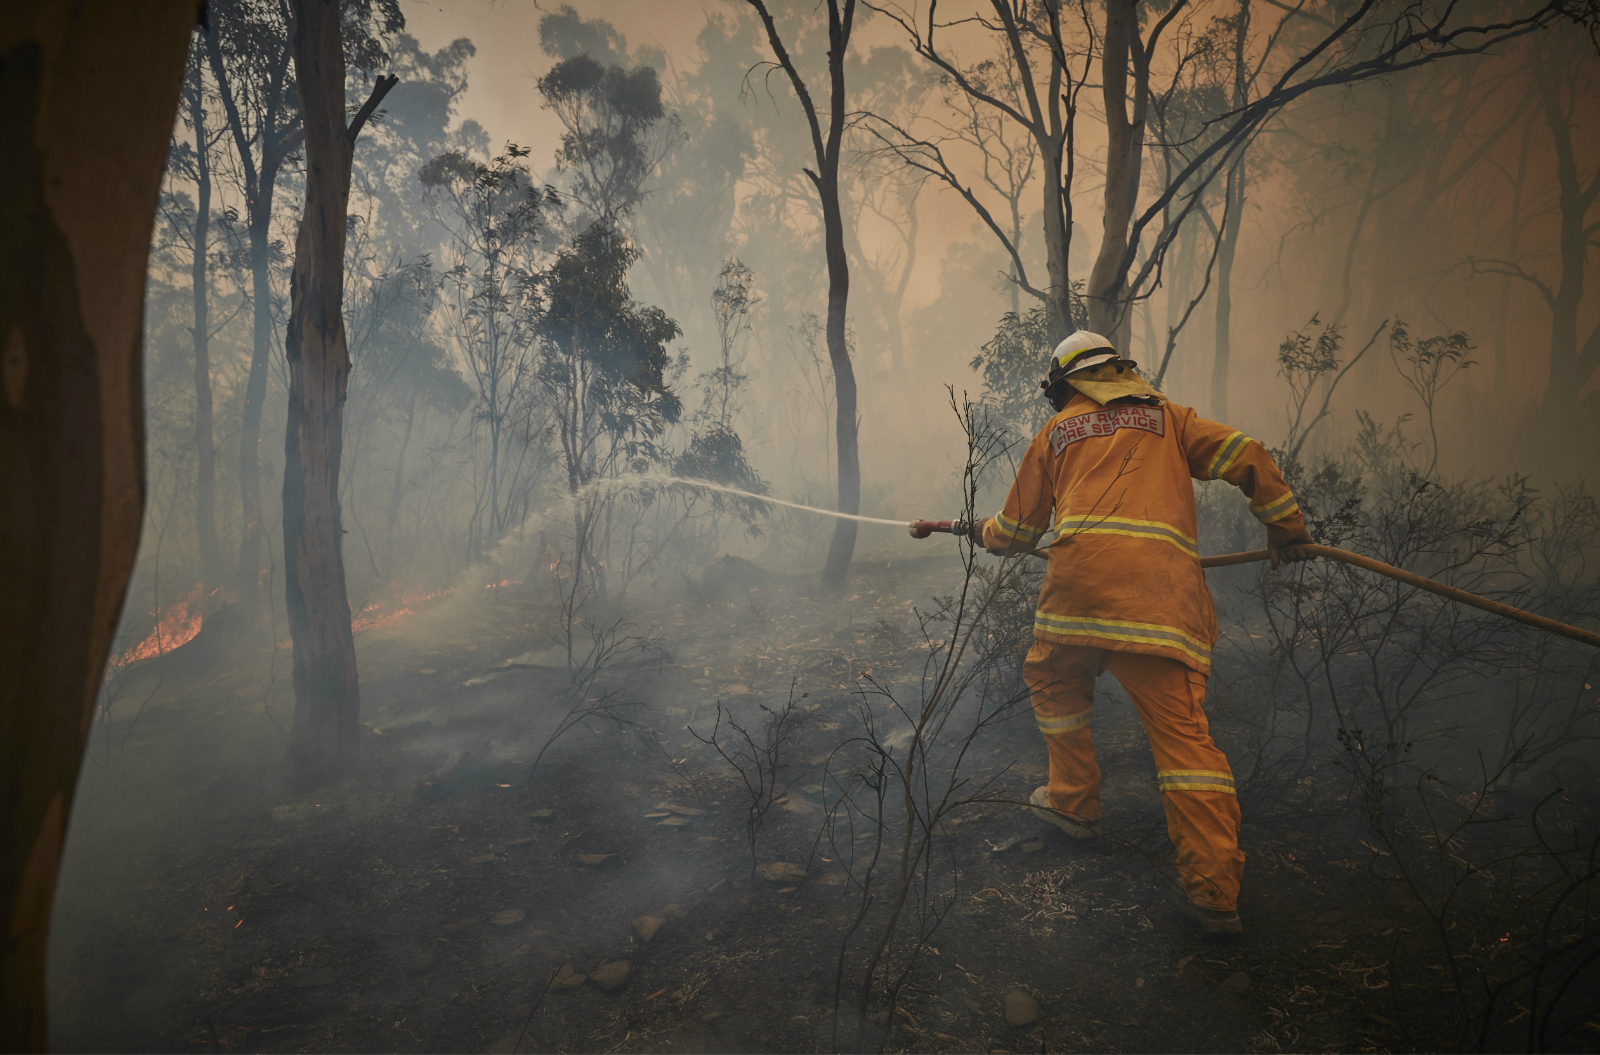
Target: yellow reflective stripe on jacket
[
  {"x": 1226, "y": 455},
  {"x": 1277, "y": 509},
  {"x": 1120, "y": 630},
  {"x": 1150, "y": 529},
  {"x": 1195, "y": 780},
  {"x": 1019, "y": 531},
  {"x": 1066, "y": 723}
]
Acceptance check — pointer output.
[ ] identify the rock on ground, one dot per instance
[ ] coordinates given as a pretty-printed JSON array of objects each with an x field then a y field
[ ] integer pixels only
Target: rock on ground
[
  {"x": 567, "y": 978},
  {"x": 610, "y": 976},
  {"x": 1021, "y": 1008}
]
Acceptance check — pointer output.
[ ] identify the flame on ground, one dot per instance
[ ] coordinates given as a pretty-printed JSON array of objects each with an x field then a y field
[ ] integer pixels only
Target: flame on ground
[
  {"x": 378, "y": 614},
  {"x": 176, "y": 626},
  {"x": 364, "y": 621},
  {"x": 182, "y": 619}
]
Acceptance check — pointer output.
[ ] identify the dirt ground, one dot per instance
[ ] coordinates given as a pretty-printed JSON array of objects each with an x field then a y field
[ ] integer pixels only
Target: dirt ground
[{"x": 431, "y": 904}]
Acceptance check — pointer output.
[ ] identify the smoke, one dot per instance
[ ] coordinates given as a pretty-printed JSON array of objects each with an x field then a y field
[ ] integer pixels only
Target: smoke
[{"x": 587, "y": 492}]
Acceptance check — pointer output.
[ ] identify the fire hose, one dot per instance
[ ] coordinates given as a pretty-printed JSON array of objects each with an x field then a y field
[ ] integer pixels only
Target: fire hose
[{"x": 924, "y": 528}]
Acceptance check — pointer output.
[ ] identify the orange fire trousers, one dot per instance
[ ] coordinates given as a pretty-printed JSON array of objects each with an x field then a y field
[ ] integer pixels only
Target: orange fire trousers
[{"x": 1196, "y": 782}]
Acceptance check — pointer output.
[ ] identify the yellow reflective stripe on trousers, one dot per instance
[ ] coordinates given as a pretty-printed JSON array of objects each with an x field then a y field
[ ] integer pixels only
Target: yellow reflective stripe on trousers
[
  {"x": 1275, "y": 510},
  {"x": 1150, "y": 529},
  {"x": 1226, "y": 455},
  {"x": 1195, "y": 780},
  {"x": 1120, "y": 630},
  {"x": 1017, "y": 530},
  {"x": 1066, "y": 723}
]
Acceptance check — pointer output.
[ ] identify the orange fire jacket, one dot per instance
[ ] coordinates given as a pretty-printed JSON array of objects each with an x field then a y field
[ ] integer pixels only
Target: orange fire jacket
[{"x": 1115, "y": 482}]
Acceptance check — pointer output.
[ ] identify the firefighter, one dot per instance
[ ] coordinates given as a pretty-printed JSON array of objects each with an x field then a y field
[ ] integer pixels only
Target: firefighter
[{"x": 1111, "y": 472}]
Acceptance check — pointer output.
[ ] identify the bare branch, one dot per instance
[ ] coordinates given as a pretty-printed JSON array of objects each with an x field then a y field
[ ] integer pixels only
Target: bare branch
[{"x": 379, "y": 90}]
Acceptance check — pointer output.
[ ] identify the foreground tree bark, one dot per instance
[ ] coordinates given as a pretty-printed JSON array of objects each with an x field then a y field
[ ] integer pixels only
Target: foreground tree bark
[
  {"x": 826, "y": 180},
  {"x": 88, "y": 92},
  {"x": 325, "y": 741}
]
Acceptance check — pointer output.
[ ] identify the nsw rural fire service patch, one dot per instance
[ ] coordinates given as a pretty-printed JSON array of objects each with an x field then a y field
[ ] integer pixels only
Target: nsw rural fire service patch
[{"x": 1104, "y": 423}]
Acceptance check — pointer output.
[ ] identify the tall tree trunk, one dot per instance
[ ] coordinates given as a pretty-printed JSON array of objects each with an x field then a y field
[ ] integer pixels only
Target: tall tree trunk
[
  {"x": 205, "y": 485},
  {"x": 260, "y": 180},
  {"x": 845, "y": 432},
  {"x": 1233, "y": 198},
  {"x": 1057, "y": 214},
  {"x": 399, "y": 487},
  {"x": 1570, "y": 366},
  {"x": 255, "y": 394},
  {"x": 1502, "y": 359},
  {"x": 325, "y": 741},
  {"x": 88, "y": 90},
  {"x": 826, "y": 181},
  {"x": 1108, "y": 314},
  {"x": 1233, "y": 216}
]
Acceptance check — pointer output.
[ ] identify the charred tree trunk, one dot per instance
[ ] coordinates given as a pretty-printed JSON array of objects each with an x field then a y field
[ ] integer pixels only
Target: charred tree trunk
[
  {"x": 325, "y": 741},
  {"x": 88, "y": 91},
  {"x": 825, "y": 178},
  {"x": 205, "y": 448}
]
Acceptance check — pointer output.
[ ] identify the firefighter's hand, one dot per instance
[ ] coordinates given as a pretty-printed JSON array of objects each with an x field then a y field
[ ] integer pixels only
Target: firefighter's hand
[
  {"x": 975, "y": 531},
  {"x": 1291, "y": 550}
]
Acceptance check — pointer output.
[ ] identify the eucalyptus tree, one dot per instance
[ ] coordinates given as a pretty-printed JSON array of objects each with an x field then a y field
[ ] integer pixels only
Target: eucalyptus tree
[
  {"x": 1564, "y": 81},
  {"x": 494, "y": 215},
  {"x": 190, "y": 160},
  {"x": 616, "y": 132},
  {"x": 826, "y": 146},
  {"x": 248, "y": 47},
  {"x": 602, "y": 379},
  {"x": 325, "y": 740},
  {"x": 1309, "y": 49}
]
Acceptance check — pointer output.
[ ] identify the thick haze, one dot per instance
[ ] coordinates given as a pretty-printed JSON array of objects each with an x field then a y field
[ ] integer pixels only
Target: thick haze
[
  {"x": 1295, "y": 234},
  {"x": 1445, "y": 156}
]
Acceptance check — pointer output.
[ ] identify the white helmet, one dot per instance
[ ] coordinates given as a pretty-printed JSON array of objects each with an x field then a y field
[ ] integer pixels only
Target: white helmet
[{"x": 1079, "y": 352}]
